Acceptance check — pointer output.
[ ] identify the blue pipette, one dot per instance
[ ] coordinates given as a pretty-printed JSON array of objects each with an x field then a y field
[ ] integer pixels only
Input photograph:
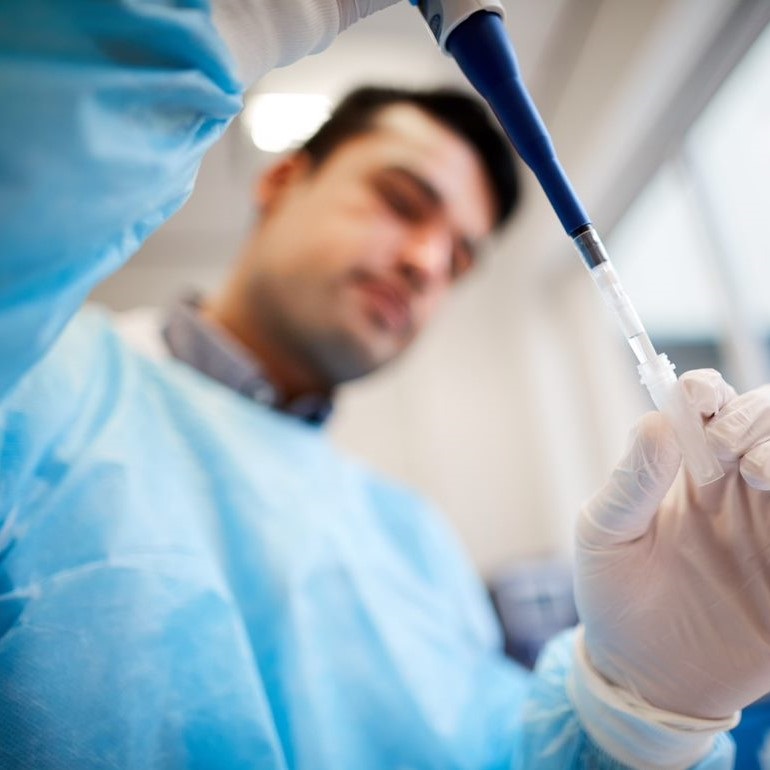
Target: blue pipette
[{"x": 473, "y": 32}]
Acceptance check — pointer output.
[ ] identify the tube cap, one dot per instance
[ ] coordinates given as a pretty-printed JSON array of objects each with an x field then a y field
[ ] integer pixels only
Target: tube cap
[{"x": 658, "y": 376}]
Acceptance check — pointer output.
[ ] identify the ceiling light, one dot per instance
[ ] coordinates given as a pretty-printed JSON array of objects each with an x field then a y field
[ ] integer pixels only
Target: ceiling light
[{"x": 277, "y": 122}]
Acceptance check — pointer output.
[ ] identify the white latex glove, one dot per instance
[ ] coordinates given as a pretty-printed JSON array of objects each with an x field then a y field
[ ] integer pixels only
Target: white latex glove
[
  {"x": 263, "y": 34},
  {"x": 673, "y": 580}
]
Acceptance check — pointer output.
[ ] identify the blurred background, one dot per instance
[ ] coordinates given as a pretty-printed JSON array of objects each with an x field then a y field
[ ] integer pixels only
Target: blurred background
[{"x": 516, "y": 404}]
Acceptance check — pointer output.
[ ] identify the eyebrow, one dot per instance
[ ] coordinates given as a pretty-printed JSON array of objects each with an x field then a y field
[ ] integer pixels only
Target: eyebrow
[{"x": 425, "y": 187}]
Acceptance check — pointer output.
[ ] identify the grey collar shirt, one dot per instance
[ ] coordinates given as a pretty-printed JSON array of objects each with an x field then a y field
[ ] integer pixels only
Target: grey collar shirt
[{"x": 190, "y": 338}]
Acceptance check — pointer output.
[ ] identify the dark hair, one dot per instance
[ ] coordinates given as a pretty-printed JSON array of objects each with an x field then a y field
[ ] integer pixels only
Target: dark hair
[{"x": 461, "y": 113}]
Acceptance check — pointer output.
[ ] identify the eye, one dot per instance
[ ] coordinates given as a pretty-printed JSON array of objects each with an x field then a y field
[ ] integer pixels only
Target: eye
[
  {"x": 405, "y": 203},
  {"x": 463, "y": 259}
]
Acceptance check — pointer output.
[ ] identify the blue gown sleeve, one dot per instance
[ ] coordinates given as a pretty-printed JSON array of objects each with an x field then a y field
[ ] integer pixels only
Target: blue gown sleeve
[
  {"x": 551, "y": 734},
  {"x": 107, "y": 109}
]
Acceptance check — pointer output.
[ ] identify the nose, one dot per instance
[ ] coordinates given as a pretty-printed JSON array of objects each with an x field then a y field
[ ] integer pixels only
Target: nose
[{"x": 425, "y": 257}]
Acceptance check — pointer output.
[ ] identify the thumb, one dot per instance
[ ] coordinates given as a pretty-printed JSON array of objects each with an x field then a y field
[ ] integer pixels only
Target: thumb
[{"x": 621, "y": 511}]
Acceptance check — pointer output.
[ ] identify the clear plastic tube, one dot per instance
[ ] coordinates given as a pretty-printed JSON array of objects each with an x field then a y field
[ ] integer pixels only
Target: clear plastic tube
[
  {"x": 608, "y": 283},
  {"x": 655, "y": 370}
]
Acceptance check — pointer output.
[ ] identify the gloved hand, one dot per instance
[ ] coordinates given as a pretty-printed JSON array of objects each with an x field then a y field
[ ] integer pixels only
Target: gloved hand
[{"x": 673, "y": 580}]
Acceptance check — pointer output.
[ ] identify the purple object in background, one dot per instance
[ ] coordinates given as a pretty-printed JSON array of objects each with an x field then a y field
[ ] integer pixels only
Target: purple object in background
[{"x": 534, "y": 600}]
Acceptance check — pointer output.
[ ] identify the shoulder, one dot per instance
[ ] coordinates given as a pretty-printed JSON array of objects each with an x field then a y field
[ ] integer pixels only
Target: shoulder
[
  {"x": 74, "y": 363},
  {"x": 90, "y": 368},
  {"x": 58, "y": 398}
]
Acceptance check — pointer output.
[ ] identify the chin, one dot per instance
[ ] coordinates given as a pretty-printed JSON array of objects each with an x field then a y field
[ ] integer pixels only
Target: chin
[
  {"x": 353, "y": 356},
  {"x": 357, "y": 364}
]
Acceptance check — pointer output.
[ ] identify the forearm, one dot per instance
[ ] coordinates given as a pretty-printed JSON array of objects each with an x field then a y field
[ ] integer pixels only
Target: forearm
[{"x": 108, "y": 109}]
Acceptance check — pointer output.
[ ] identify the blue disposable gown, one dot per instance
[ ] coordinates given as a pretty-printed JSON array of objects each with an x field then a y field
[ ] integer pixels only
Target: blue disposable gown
[{"x": 187, "y": 579}]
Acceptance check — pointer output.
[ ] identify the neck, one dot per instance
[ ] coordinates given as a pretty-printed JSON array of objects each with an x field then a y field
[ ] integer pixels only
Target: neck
[{"x": 288, "y": 375}]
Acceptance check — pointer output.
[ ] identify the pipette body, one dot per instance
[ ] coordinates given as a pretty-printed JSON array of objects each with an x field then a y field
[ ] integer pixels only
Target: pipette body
[{"x": 472, "y": 31}]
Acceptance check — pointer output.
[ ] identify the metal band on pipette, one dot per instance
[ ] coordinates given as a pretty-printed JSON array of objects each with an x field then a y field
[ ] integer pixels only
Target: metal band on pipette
[{"x": 590, "y": 246}]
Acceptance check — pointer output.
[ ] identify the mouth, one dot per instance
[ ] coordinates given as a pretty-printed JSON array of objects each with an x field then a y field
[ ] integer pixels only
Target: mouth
[{"x": 388, "y": 306}]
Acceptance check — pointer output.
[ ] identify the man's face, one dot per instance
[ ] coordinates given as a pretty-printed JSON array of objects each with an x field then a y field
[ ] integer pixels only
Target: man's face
[{"x": 351, "y": 258}]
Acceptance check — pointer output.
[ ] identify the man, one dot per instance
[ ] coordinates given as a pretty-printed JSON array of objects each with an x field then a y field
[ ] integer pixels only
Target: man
[
  {"x": 196, "y": 580},
  {"x": 395, "y": 194}
]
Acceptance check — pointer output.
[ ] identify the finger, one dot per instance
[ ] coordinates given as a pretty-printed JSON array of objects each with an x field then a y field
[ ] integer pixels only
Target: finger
[
  {"x": 706, "y": 390},
  {"x": 742, "y": 424},
  {"x": 755, "y": 466},
  {"x": 621, "y": 511}
]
